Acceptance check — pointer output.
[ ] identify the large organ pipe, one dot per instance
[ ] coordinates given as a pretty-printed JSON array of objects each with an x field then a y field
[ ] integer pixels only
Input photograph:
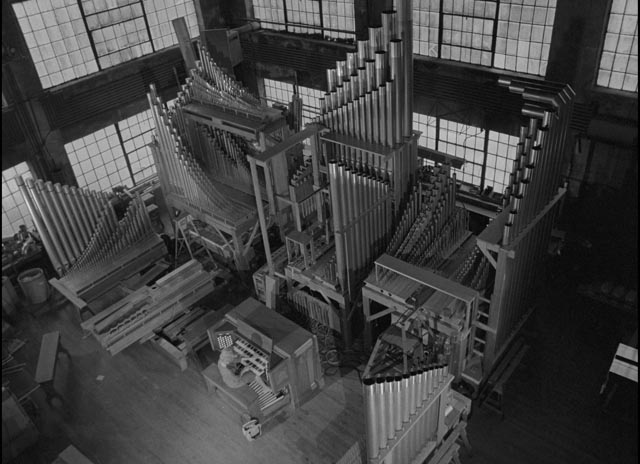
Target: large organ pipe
[
  {"x": 48, "y": 241},
  {"x": 55, "y": 220}
]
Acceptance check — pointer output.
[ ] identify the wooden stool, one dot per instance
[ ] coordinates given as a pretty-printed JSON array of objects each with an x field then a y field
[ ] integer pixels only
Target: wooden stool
[{"x": 46, "y": 368}]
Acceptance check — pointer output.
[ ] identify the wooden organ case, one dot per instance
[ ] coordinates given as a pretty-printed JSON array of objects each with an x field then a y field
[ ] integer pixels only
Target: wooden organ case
[{"x": 281, "y": 353}]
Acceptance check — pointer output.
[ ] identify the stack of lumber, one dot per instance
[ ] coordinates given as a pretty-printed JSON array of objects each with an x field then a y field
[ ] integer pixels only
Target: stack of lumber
[{"x": 136, "y": 316}]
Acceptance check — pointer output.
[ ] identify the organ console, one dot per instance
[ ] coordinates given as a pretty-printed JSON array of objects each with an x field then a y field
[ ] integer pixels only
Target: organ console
[{"x": 282, "y": 355}]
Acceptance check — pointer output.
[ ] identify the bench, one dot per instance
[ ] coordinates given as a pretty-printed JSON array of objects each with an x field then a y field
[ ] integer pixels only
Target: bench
[
  {"x": 494, "y": 399},
  {"x": 47, "y": 360}
]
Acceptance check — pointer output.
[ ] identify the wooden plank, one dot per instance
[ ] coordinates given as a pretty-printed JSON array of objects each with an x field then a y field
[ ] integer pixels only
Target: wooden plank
[
  {"x": 184, "y": 41},
  {"x": 68, "y": 294},
  {"x": 46, "y": 367},
  {"x": 177, "y": 274},
  {"x": 135, "y": 282},
  {"x": 426, "y": 277}
]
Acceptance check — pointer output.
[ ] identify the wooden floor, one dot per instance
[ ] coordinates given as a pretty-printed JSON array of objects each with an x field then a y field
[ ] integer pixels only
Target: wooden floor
[{"x": 138, "y": 407}]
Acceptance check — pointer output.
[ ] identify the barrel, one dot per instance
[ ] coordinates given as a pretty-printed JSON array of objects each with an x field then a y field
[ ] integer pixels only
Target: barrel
[{"x": 34, "y": 285}]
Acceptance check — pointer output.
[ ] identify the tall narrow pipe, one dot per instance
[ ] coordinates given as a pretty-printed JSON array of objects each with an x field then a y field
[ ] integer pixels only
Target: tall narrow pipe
[
  {"x": 372, "y": 413},
  {"x": 47, "y": 240}
]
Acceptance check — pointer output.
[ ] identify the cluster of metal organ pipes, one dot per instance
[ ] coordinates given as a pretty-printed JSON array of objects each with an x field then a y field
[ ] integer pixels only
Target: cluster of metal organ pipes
[
  {"x": 366, "y": 100},
  {"x": 402, "y": 413},
  {"x": 537, "y": 170},
  {"x": 79, "y": 228},
  {"x": 180, "y": 172},
  {"x": 362, "y": 215},
  {"x": 431, "y": 222}
]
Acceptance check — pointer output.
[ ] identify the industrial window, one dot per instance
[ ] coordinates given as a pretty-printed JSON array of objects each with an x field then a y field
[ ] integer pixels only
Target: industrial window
[
  {"x": 282, "y": 92},
  {"x": 310, "y": 103},
  {"x": 118, "y": 30},
  {"x": 135, "y": 133},
  {"x": 98, "y": 160},
  {"x": 69, "y": 39},
  {"x": 619, "y": 60},
  {"x": 277, "y": 91},
  {"x": 160, "y": 13},
  {"x": 14, "y": 209},
  {"x": 57, "y": 40},
  {"x": 510, "y": 34},
  {"x": 466, "y": 142},
  {"x": 488, "y": 155},
  {"x": 116, "y": 155},
  {"x": 330, "y": 19}
]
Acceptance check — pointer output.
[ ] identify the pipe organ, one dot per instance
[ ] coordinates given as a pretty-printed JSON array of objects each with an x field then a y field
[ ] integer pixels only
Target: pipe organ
[
  {"x": 89, "y": 247},
  {"x": 467, "y": 313},
  {"x": 200, "y": 149},
  {"x": 414, "y": 417},
  {"x": 363, "y": 159}
]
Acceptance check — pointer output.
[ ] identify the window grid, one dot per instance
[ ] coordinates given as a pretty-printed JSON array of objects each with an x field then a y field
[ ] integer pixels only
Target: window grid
[
  {"x": 14, "y": 210},
  {"x": 119, "y": 33},
  {"x": 303, "y": 12},
  {"x": 340, "y": 16},
  {"x": 332, "y": 19},
  {"x": 619, "y": 60},
  {"x": 466, "y": 142},
  {"x": 57, "y": 39},
  {"x": 467, "y": 31},
  {"x": 426, "y": 26},
  {"x": 66, "y": 43},
  {"x": 135, "y": 133},
  {"x": 310, "y": 103},
  {"x": 523, "y": 36},
  {"x": 98, "y": 160},
  {"x": 277, "y": 91},
  {"x": 470, "y": 143},
  {"x": 160, "y": 13}
]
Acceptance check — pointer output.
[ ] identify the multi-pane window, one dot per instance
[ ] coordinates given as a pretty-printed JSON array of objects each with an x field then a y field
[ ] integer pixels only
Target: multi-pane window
[
  {"x": 57, "y": 40},
  {"x": 277, "y": 91},
  {"x": 331, "y": 19},
  {"x": 161, "y": 13},
  {"x": 466, "y": 142},
  {"x": 501, "y": 153},
  {"x": 488, "y": 156},
  {"x": 619, "y": 60},
  {"x": 136, "y": 134},
  {"x": 524, "y": 36},
  {"x": 310, "y": 103},
  {"x": 98, "y": 160},
  {"x": 113, "y": 156},
  {"x": 282, "y": 92},
  {"x": 510, "y": 34},
  {"x": 118, "y": 30},
  {"x": 69, "y": 39},
  {"x": 14, "y": 210},
  {"x": 337, "y": 18}
]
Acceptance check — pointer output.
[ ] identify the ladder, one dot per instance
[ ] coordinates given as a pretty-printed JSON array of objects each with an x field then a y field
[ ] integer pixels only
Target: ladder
[{"x": 187, "y": 235}]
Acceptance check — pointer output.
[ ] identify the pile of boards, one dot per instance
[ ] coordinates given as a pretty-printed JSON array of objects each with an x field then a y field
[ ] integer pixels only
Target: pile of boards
[{"x": 135, "y": 317}]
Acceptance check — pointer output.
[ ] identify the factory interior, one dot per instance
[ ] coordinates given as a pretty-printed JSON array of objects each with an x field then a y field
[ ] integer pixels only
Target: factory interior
[{"x": 319, "y": 231}]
